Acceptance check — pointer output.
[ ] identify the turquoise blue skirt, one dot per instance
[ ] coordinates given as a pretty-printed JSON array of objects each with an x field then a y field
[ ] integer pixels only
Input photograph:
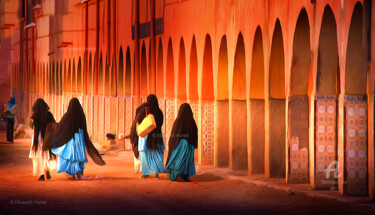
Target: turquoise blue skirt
[
  {"x": 151, "y": 160},
  {"x": 181, "y": 161},
  {"x": 72, "y": 155}
]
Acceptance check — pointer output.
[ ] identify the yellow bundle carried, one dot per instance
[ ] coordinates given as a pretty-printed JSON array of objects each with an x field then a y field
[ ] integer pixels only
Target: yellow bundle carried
[{"x": 147, "y": 125}]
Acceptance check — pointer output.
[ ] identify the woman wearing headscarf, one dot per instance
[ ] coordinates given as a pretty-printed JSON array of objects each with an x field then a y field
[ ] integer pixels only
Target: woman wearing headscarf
[
  {"x": 150, "y": 149},
  {"x": 69, "y": 138},
  {"x": 182, "y": 142},
  {"x": 10, "y": 111},
  {"x": 43, "y": 161}
]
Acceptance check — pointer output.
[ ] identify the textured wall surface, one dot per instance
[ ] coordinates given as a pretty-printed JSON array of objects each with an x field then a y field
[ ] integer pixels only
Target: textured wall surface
[
  {"x": 277, "y": 137},
  {"x": 257, "y": 136}
]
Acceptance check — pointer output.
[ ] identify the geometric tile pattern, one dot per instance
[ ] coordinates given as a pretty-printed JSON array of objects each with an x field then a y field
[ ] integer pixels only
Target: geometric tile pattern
[
  {"x": 128, "y": 115},
  {"x": 325, "y": 142},
  {"x": 355, "y": 145},
  {"x": 207, "y": 132},
  {"x": 298, "y": 138}
]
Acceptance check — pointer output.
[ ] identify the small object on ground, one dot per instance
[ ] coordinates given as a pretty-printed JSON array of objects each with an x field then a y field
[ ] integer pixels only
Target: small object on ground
[
  {"x": 291, "y": 193},
  {"x": 195, "y": 182},
  {"x": 111, "y": 136},
  {"x": 144, "y": 176}
]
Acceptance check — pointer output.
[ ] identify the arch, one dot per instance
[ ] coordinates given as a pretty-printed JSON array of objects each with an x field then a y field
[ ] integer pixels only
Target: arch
[
  {"x": 277, "y": 64},
  {"x": 90, "y": 78},
  {"x": 160, "y": 71},
  {"x": 193, "y": 74},
  {"x": 61, "y": 79},
  {"x": 31, "y": 80},
  {"x": 298, "y": 103},
  {"x": 107, "y": 77},
  {"x": 66, "y": 74},
  {"x": 114, "y": 78},
  {"x": 181, "y": 92},
  {"x": 150, "y": 76},
  {"x": 100, "y": 76},
  {"x": 128, "y": 72},
  {"x": 277, "y": 126},
  {"x": 300, "y": 67},
  {"x": 257, "y": 105},
  {"x": 57, "y": 79},
  {"x": 222, "y": 106},
  {"x": 327, "y": 80},
  {"x": 222, "y": 83},
  {"x": 53, "y": 79},
  {"x": 74, "y": 77},
  {"x": 79, "y": 76},
  {"x": 121, "y": 77},
  {"x": 207, "y": 73},
  {"x": 257, "y": 67},
  {"x": 327, "y": 83},
  {"x": 170, "y": 72},
  {"x": 355, "y": 73},
  {"x": 144, "y": 84},
  {"x": 239, "y": 71},
  {"x": 238, "y": 147}
]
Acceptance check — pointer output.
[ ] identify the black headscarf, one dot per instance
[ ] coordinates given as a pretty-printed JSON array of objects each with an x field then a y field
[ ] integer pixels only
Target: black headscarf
[
  {"x": 73, "y": 120},
  {"x": 41, "y": 118},
  {"x": 184, "y": 127},
  {"x": 155, "y": 137}
]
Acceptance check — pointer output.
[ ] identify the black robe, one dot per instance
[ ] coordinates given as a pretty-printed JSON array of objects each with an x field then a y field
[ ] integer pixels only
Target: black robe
[
  {"x": 41, "y": 118},
  {"x": 184, "y": 127},
  {"x": 155, "y": 137},
  {"x": 73, "y": 120}
]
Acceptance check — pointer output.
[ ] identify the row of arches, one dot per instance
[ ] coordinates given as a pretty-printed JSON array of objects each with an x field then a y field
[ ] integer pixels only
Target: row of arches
[
  {"x": 266, "y": 105},
  {"x": 68, "y": 76}
]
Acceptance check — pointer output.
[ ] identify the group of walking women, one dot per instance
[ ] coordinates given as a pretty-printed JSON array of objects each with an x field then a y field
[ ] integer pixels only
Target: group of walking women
[
  {"x": 69, "y": 140},
  {"x": 182, "y": 142}
]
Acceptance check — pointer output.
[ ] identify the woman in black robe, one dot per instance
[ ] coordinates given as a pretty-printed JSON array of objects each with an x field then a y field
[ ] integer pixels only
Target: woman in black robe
[
  {"x": 149, "y": 149},
  {"x": 43, "y": 162},
  {"x": 182, "y": 142},
  {"x": 69, "y": 138}
]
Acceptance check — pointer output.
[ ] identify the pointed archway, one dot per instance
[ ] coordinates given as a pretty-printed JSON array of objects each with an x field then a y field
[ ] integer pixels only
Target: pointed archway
[
  {"x": 222, "y": 108},
  {"x": 207, "y": 105},
  {"x": 275, "y": 155},
  {"x": 238, "y": 159},
  {"x": 298, "y": 103},
  {"x": 256, "y": 151},
  {"x": 327, "y": 91},
  {"x": 355, "y": 110}
]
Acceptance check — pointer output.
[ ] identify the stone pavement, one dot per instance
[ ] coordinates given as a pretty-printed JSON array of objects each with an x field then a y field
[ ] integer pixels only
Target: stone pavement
[
  {"x": 280, "y": 184},
  {"x": 258, "y": 180}
]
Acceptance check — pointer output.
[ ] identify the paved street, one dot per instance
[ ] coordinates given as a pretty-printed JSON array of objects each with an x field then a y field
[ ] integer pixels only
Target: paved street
[{"x": 120, "y": 191}]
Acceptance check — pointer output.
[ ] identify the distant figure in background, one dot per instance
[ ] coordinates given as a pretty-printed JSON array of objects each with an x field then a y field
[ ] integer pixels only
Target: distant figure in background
[
  {"x": 69, "y": 138},
  {"x": 10, "y": 112},
  {"x": 182, "y": 142},
  {"x": 43, "y": 161},
  {"x": 150, "y": 148}
]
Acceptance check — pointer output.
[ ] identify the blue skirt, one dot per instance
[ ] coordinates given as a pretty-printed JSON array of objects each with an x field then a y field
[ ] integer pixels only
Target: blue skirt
[
  {"x": 181, "y": 161},
  {"x": 72, "y": 155},
  {"x": 151, "y": 160}
]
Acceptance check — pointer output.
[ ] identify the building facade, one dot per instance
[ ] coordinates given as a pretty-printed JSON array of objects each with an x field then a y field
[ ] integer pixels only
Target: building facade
[{"x": 280, "y": 88}]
